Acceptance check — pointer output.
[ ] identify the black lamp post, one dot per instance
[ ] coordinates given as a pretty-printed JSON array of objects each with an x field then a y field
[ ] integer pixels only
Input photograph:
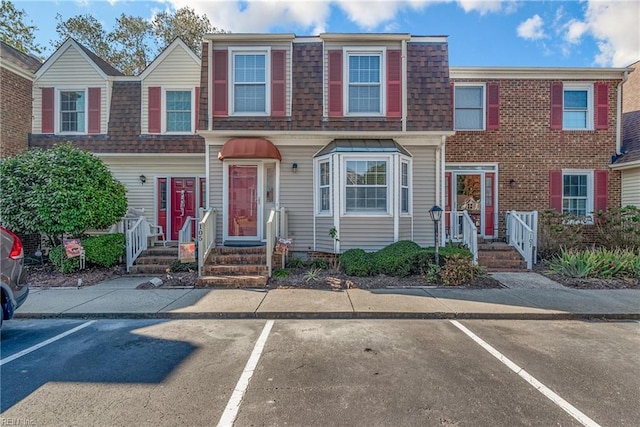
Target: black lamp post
[{"x": 436, "y": 215}]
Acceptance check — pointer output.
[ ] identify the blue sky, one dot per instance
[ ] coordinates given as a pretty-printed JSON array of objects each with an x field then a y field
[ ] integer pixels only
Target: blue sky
[{"x": 586, "y": 33}]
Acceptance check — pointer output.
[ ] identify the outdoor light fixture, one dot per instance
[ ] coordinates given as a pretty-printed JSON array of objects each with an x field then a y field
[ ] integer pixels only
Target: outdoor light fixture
[
  {"x": 436, "y": 215},
  {"x": 512, "y": 182},
  {"x": 143, "y": 179},
  {"x": 294, "y": 168}
]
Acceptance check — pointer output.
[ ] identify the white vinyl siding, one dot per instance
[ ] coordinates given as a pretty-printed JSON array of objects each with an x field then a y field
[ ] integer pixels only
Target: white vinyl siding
[
  {"x": 357, "y": 232},
  {"x": 177, "y": 71},
  {"x": 423, "y": 192},
  {"x": 71, "y": 71},
  {"x": 324, "y": 242},
  {"x": 631, "y": 187},
  {"x": 127, "y": 170}
]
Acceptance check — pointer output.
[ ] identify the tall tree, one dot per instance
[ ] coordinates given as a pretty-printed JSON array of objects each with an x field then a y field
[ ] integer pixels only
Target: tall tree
[
  {"x": 14, "y": 30},
  {"x": 130, "y": 44},
  {"x": 184, "y": 23},
  {"x": 87, "y": 31}
]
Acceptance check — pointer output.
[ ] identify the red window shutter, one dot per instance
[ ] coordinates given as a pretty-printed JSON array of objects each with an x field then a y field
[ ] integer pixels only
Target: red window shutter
[
  {"x": 197, "y": 120},
  {"x": 556, "y": 105},
  {"x": 94, "y": 109},
  {"x": 601, "y": 189},
  {"x": 47, "y": 109},
  {"x": 493, "y": 106},
  {"x": 602, "y": 106},
  {"x": 155, "y": 107},
  {"x": 555, "y": 190},
  {"x": 335, "y": 83},
  {"x": 220, "y": 91},
  {"x": 278, "y": 77},
  {"x": 394, "y": 83}
]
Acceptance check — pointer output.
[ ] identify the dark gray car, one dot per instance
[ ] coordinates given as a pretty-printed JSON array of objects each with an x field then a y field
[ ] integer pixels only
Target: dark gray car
[{"x": 13, "y": 276}]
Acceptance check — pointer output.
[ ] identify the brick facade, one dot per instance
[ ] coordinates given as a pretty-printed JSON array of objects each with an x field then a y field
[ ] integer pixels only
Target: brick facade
[
  {"x": 631, "y": 90},
  {"x": 526, "y": 148},
  {"x": 15, "y": 110}
]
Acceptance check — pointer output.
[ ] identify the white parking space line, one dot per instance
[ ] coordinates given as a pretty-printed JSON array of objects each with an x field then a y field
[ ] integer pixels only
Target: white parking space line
[
  {"x": 43, "y": 343},
  {"x": 233, "y": 406},
  {"x": 547, "y": 392}
]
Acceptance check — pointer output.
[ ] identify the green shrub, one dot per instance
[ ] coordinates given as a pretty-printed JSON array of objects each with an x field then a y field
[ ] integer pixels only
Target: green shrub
[
  {"x": 312, "y": 275},
  {"x": 425, "y": 258},
  {"x": 62, "y": 264},
  {"x": 280, "y": 273},
  {"x": 396, "y": 259},
  {"x": 459, "y": 270},
  {"x": 558, "y": 231},
  {"x": 319, "y": 264},
  {"x": 601, "y": 263},
  {"x": 105, "y": 250},
  {"x": 295, "y": 263},
  {"x": 618, "y": 228},
  {"x": 356, "y": 262}
]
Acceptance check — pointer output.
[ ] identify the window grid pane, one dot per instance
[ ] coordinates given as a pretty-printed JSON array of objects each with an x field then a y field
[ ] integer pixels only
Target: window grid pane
[
  {"x": 574, "y": 191},
  {"x": 576, "y": 109},
  {"x": 72, "y": 112},
  {"x": 469, "y": 111},
  {"x": 364, "y": 84},
  {"x": 404, "y": 184},
  {"x": 250, "y": 83},
  {"x": 179, "y": 111},
  {"x": 325, "y": 187},
  {"x": 366, "y": 186}
]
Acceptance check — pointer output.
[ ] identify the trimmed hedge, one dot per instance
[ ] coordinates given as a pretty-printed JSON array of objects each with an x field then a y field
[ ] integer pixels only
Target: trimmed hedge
[
  {"x": 105, "y": 250},
  {"x": 356, "y": 262},
  {"x": 64, "y": 265},
  {"x": 396, "y": 259}
]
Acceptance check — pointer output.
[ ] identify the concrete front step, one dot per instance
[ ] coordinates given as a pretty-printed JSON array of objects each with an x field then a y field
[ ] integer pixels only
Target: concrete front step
[
  {"x": 223, "y": 281},
  {"x": 235, "y": 269}
]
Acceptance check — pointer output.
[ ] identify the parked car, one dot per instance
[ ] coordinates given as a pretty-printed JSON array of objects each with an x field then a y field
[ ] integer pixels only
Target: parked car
[{"x": 13, "y": 286}]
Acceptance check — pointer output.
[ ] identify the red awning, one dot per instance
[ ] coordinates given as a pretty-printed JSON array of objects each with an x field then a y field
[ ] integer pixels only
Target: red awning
[{"x": 249, "y": 148}]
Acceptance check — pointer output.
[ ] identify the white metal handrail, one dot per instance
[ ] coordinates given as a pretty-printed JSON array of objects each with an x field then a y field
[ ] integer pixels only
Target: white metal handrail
[
  {"x": 136, "y": 240},
  {"x": 521, "y": 235},
  {"x": 470, "y": 235},
  {"x": 206, "y": 236}
]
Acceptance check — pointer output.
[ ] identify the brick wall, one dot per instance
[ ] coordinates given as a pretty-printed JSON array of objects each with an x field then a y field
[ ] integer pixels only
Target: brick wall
[
  {"x": 631, "y": 90},
  {"x": 526, "y": 149},
  {"x": 15, "y": 111}
]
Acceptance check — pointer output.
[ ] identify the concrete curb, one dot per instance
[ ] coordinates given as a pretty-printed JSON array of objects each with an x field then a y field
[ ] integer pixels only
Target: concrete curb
[{"x": 337, "y": 315}]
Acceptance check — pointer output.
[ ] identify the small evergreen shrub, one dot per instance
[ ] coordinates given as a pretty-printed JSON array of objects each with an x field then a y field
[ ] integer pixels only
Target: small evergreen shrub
[
  {"x": 105, "y": 250},
  {"x": 356, "y": 262},
  {"x": 618, "y": 228},
  {"x": 557, "y": 231},
  {"x": 280, "y": 273},
  {"x": 425, "y": 258},
  {"x": 319, "y": 264},
  {"x": 295, "y": 263},
  {"x": 459, "y": 270},
  {"x": 62, "y": 264},
  {"x": 396, "y": 259}
]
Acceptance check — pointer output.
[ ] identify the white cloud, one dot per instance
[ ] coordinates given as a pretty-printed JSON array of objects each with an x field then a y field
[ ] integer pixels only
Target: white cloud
[
  {"x": 532, "y": 28},
  {"x": 481, "y": 6},
  {"x": 614, "y": 24},
  {"x": 575, "y": 30}
]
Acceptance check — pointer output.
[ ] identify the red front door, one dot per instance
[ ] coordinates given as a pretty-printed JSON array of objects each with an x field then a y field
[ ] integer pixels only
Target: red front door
[
  {"x": 242, "y": 214},
  {"x": 183, "y": 203}
]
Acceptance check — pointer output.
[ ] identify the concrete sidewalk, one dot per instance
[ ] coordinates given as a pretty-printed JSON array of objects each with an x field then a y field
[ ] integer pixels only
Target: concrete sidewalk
[{"x": 525, "y": 296}]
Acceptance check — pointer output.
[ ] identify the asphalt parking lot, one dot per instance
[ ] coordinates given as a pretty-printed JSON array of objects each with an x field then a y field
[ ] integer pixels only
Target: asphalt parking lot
[{"x": 319, "y": 372}]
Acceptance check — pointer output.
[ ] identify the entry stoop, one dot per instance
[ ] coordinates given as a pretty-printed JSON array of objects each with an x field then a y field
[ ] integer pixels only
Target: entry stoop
[
  {"x": 498, "y": 256},
  {"x": 235, "y": 267},
  {"x": 155, "y": 260}
]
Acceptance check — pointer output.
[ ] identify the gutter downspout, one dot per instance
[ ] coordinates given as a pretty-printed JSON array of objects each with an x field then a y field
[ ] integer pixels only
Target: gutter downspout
[
  {"x": 404, "y": 85},
  {"x": 619, "y": 114}
]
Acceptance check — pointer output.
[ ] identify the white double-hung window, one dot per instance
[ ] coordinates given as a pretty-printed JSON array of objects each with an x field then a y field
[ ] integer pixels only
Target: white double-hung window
[
  {"x": 73, "y": 107},
  {"x": 469, "y": 102},
  {"x": 324, "y": 186},
  {"x": 364, "y": 88},
  {"x": 577, "y": 107},
  {"x": 178, "y": 111},
  {"x": 250, "y": 88},
  {"x": 577, "y": 193},
  {"x": 366, "y": 187}
]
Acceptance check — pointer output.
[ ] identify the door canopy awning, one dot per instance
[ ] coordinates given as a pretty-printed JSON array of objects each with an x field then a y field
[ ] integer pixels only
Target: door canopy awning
[{"x": 249, "y": 148}]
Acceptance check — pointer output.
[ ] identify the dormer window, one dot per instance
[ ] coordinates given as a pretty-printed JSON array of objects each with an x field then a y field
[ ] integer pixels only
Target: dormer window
[
  {"x": 364, "y": 93},
  {"x": 250, "y": 89},
  {"x": 72, "y": 111},
  {"x": 178, "y": 110}
]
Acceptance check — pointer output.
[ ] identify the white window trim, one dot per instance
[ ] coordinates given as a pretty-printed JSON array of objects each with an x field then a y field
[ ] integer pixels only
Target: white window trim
[
  {"x": 266, "y": 51},
  {"x": 318, "y": 194},
  {"x": 590, "y": 104},
  {"x": 483, "y": 102},
  {"x": 343, "y": 184},
  {"x": 58, "y": 110},
  {"x": 405, "y": 160},
  {"x": 364, "y": 50},
  {"x": 164, "y": 108},
  {"x": 590, "y": 191}
]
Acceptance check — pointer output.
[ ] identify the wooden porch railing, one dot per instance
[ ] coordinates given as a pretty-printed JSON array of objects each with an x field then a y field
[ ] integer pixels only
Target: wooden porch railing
[
  {"x": 206, "y": 236},
  {"x": 522, "y": 234},
  {"x": 470, "y": 235}
]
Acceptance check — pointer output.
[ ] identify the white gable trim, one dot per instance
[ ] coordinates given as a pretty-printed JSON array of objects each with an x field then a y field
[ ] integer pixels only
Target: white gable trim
[
  {"x": 176, "y": 43},
  {"x": 61, "y": 50}
]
